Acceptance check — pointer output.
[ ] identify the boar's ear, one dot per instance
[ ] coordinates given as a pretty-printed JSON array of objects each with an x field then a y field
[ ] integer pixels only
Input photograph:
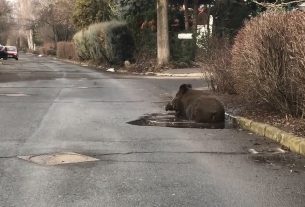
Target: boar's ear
[{"x": 184, "y": 88}]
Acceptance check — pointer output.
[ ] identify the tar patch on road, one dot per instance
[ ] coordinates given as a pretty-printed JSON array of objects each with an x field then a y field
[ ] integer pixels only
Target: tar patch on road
[
  {"x": 58, "y": 158},
  {"x": 170, "y": 120}
]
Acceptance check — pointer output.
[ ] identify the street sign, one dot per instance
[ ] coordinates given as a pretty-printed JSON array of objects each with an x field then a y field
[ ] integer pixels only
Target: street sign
[{"x": 185, "y": 36}]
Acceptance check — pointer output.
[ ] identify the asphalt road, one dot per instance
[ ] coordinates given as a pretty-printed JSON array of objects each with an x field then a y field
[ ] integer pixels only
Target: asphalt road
[{"x": 48, "y": 106}]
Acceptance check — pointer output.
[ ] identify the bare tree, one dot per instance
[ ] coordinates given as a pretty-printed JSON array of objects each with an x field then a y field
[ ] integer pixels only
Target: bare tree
[
  {"x": 4, "y": 8},
  {"x": 4, "y": 19},
  {"x": 26, "y": 15},
  {"x": 162, "y": 32},
  {"x": 57, "y": 16},
  {"x": 44, "y": 20}
]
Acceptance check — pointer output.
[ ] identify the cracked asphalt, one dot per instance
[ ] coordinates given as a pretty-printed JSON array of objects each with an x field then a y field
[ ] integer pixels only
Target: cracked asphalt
[{"x": 49, "y": 106}]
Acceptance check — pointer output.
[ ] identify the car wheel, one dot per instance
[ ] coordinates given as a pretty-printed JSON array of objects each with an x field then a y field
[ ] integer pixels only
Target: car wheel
[{"x": 16, "y": 58}]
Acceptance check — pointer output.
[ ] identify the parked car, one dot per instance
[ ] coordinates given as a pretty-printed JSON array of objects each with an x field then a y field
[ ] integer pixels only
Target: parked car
[
  {"x": 12, "y": 52},
  {"x": 3, "y": 52}
]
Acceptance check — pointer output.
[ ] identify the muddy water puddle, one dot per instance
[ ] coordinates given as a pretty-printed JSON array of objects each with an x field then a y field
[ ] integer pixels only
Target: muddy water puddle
[{"x": 170, "y": 120}]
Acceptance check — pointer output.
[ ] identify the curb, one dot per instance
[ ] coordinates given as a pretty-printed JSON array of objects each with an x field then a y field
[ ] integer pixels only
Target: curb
[
  {"x": 190, "y": 75},
  {"x": 293, "y": 143},
  {"x": 160, "y": 74}
]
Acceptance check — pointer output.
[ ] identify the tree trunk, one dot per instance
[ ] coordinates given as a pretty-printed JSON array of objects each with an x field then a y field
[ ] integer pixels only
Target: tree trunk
[
  {"x": 209, "y": 21},
  {"x": 29, "y": 36},
  {"x": 186, "y": 15},
  {"x": 55, "y": 37},
  {"x": 195, "y": 21},
  {"x": 162, "y": 32}
]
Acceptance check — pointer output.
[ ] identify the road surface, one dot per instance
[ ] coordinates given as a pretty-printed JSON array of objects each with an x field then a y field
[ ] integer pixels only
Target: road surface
[{"x": 49, "y": 106}]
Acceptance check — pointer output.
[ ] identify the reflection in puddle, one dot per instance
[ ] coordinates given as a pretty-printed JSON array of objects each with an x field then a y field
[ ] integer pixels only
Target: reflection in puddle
[{"x": 170, "y": 120}]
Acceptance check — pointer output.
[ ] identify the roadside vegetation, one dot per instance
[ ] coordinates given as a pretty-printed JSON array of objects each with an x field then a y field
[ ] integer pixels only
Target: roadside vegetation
[
  {"x": 252, "y": 52},
  {"x": 107, "y": 42},
  {"x": 5, "y": 12},
  {"x": 268, "y": 61}
]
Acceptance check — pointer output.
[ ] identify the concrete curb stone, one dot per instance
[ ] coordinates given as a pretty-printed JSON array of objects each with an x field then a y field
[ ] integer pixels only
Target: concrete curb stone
[
  {"x": 258, "y": 128},
  {"x": 294, "y": 143},
  {"x": 195, "y": 75},
  {"x": 174, "y": 73}
]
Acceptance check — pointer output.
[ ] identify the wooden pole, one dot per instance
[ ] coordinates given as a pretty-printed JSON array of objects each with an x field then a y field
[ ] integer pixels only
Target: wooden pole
[{"x": 162, "y": 32}]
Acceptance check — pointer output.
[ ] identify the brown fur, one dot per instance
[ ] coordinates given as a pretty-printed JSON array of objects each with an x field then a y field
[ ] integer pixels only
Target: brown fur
[{"x": 197, "y": 105}]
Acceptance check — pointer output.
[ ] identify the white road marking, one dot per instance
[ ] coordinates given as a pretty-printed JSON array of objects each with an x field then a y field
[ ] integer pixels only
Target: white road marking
[
  {"x": 280, "y": 150},
  {"x": 253, "y": 151},
  {"x": 14, "y": 94}
]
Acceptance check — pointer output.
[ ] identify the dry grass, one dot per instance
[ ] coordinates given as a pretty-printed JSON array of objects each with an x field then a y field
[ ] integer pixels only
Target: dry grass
[
  {"x": 66, "y": 50},
  {"x": 215, "y": 58},
  {"x": 48, "y": 48}
]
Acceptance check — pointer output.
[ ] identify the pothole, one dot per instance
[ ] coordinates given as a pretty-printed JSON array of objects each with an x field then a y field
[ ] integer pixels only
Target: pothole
[
  {"x": 170, "y": 120},
  {"x": 58, "y": 158}
]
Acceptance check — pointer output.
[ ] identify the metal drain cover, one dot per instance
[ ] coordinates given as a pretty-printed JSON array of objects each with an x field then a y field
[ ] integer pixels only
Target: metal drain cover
[{"x": 58, "y": 158}]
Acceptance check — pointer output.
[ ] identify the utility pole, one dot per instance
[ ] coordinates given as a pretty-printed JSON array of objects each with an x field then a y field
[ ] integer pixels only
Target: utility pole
[{"x": 162, "y": 32}]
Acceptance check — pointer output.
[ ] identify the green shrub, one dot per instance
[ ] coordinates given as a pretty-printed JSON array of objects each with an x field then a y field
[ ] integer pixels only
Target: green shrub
[
  {"x": 96, "y": 38},
  {"x": 269, "y": 61},
  {"x": 81, "y": 44},
  {"x": 119, "y": 43},
  {"x": 108, "y": 41}
]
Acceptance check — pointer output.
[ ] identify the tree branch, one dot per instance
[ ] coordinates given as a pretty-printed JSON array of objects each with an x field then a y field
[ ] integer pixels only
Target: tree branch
[{"x": 276, "y": 5}]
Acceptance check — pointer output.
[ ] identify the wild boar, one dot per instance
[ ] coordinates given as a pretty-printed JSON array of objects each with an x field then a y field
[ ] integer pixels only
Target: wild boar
[{"x": 196, "y": 105}]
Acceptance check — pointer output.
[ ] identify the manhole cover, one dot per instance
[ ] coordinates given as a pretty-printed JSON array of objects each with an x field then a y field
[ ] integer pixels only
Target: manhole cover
[
  {"x": 58, "y": 158},
  {"x": 170, "y": 120}
]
